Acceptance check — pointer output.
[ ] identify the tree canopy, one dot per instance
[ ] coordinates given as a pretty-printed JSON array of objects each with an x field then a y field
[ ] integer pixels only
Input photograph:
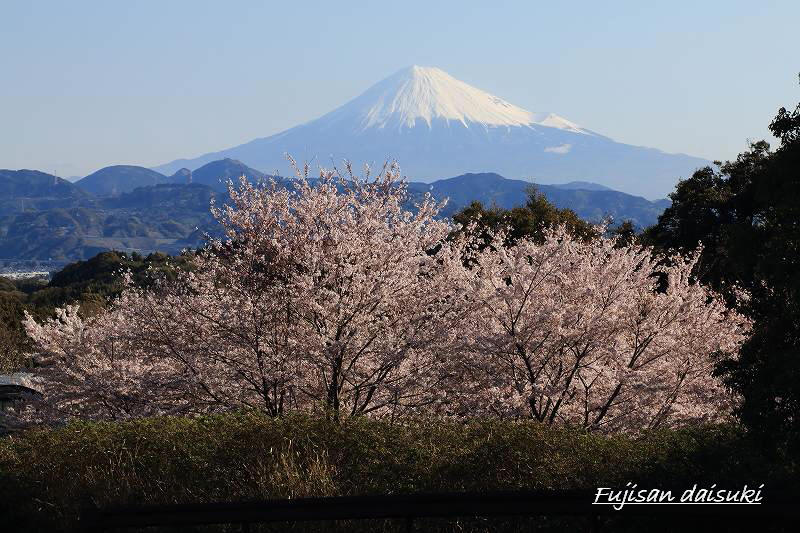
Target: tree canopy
[
  {"x": 532, "y": 220},
  {"x": 89, "y": 284},
  {"x": 746, "y": 213}
]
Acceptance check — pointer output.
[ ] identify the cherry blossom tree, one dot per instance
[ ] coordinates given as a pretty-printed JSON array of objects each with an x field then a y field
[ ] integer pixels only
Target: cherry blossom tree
[
  {"x": 324, "y": 294},
  {"x": 328, "y": 295},
  {"x": 365, "y": 280},
  {"x": 89, "y": 368},
  {"x": 581, "y": 333}
]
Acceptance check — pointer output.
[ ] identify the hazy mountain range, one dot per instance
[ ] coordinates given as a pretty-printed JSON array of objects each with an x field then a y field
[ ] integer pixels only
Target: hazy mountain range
[
  {"x": 118, "y": 179},
  {"x": 133, "y": 208},
  {"x": 435, "y": 125}
]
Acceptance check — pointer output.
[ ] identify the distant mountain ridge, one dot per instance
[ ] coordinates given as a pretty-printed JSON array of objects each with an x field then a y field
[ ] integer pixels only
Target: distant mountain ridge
[
  {"x": 580, "y": 185},
  {"x": 165, "y": 217},
  {"x": 31, "y": 189},
  {"x": 590, "y": 201},
  {"x": 43, "y": 217},
  {"x": 120, "y": 179},
  {"x": 217, "y": 173},
  {"x": 436, "y": 125}
]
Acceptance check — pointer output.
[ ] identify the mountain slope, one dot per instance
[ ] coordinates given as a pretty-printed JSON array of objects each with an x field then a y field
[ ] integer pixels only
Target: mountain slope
[
  {"x": 164, "y": 217},
  {"x": 217, "y": 173},
  {"x": 420, "y": 95},
  {"x": 22, "y": 190},
  {"x": 580, "y": 185},
  {"x": 492, "y": 189},
  {"x": 183, "y": 175},
  {"x": 118, "y": 179},
  {"x": 435, "y": 125},
  {"x": 169, "y": 217}
]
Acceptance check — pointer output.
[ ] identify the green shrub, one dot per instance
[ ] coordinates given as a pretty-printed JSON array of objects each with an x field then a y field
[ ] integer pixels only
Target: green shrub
[{"x": 48, "y": 475}]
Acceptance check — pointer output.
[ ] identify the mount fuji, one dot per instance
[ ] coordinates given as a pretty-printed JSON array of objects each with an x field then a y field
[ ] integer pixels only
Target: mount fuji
[{"x": 436, "y": 126}]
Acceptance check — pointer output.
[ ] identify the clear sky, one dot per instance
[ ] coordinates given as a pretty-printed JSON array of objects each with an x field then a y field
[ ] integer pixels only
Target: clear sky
[{"x": 85, "y": 84}]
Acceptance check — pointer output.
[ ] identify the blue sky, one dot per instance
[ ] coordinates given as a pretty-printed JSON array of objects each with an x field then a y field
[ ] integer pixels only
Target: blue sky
[{"x": 85, "y": 84}]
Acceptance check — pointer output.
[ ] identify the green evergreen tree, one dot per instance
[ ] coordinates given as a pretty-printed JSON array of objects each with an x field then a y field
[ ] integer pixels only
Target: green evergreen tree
[
  {"x": 531, "y": 220},
  {"x": 747, "y": 215}
]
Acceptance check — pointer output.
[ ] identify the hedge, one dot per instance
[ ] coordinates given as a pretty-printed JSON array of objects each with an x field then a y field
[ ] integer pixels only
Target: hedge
[{"x": 48, "y": 475}]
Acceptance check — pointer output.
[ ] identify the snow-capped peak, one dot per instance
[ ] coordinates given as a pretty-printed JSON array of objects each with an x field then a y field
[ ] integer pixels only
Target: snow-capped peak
[{"x": 425, "y": 94}]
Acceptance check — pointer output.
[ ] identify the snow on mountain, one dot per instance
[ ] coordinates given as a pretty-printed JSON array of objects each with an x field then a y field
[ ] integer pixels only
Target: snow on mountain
[
  {"x": 435, "y": 125},
  {"x": 426, "y": 93}
]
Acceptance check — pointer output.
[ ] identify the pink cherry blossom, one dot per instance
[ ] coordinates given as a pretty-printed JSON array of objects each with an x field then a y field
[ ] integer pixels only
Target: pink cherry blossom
[
  {"x": 329, "y": 295},
  {"x": 579, "y": 333}
]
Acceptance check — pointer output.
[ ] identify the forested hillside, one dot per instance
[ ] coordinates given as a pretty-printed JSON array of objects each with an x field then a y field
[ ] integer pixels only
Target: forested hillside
[{"x": 132, "y": 208}]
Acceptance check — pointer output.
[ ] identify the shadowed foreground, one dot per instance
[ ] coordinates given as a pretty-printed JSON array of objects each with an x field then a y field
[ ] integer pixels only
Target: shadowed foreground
[{"x": 49, "y": 476}]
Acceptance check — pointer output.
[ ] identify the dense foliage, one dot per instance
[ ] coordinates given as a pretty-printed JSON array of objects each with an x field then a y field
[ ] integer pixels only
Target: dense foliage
[
  {"x": 87, "y": 284},
  {"x": 586, "y": 333},
  {"x": 747, "y": 215},
  {"x": 531, "y": 220},
  {"x": 48, "y": 476}
]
